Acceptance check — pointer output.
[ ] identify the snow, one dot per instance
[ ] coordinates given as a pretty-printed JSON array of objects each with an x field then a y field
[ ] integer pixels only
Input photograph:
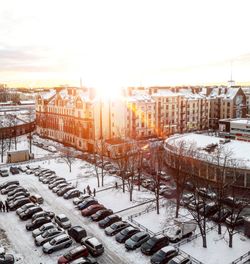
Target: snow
[
  {"x": 238, "y": 148},
  {"x": 217, "y": 250}
]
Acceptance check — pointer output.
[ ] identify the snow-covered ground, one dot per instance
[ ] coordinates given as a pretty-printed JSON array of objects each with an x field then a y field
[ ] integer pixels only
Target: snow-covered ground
[{"x": 217, "y": 250}]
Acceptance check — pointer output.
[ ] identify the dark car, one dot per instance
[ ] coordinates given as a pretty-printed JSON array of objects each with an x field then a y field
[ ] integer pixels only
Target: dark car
[
  {"x": 17, "y": 196},
  {"x": 154, "y": 244},
  {"x": 180, "y": 259},
  {"x": 14, "y": 170},
  {"x": 37, "y": 223},
  {"x": 60, "y": 186},
  {"x": 18, "y": 189},
  {"x": 43, "y": 214},
  {"x": 18, "y": 203},
  {"x": 163, "y": 255},
  {"x": 85, "y": 260},
  {"x": 64, "y": 190},
  {"x": 136, "y": 240},
  {"x": 7, "y": 259},
  {"x": 115, "y": 228},
  {"x": 209, "y": 209},
  {"x": 109, "y": 220},
  {"x": 6, "y": 184},
  {"x": 4, "y": 173},
  {"x": 48, "y": 235},
  {"x": 71, "y": 194},
  {"x": 87, "y": 203},
  {"x": 29, "y": 212},
  {"x": 126, "y": 233},
  {"x": 75, "y": 253},
  {"x": 101, "y": 214},
  {"x": 189, "y": 185},
  {"x": 77, "y": 233},
  {"x": 221, "y": 216},
  {"x": 49, "y": 179},
  {"x": 9, "y": 189},
  {"x": 56, "y": 183},
  {"x": 92, "y": 209}
]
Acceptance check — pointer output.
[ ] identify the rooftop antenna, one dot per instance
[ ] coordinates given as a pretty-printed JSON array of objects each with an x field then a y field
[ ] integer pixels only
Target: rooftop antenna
[
  {"x": 231, "y": 82},
  {"x": 81, "y": 82}
]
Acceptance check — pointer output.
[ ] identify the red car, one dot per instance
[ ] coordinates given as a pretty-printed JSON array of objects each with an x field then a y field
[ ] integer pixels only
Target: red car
[
  {"x": 75, "y": 253},
  {"x": 92, "y": 209}
]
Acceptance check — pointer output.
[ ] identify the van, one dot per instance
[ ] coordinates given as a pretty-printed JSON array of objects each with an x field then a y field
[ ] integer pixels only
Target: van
[{"x": 77, "y": 233}]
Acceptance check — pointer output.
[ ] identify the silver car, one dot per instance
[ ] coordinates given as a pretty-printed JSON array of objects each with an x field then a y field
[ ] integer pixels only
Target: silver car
[
  {"x": 63, "y": 221},
  {"x": 42, "y": 229},
  {"x": 57, "y": 243},
  {"x": 48, "y": 235}
]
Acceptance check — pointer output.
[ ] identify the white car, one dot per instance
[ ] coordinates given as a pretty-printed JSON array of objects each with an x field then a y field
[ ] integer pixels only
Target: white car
[
  {"x": 48, "y": 235},
  {"x": 59, "y": 242},
  {"x": 63, "y": 221},
  {"x": 42, "y": 229}
]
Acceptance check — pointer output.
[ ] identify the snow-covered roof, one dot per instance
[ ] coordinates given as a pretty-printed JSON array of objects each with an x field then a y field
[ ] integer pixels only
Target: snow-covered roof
[
  {"x": 165, "y": 93},
  {"x": 140, "y": 98},
  {"x": 239, "y": 149},
  {"x": 230, "y": 93},
  {"x": 48, "y": 95}
]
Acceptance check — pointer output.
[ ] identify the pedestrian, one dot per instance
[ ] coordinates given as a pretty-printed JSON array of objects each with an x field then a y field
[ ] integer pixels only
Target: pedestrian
[
  {"x": 90, "y": 192},
  {"x": 7, "y": 206},
  {"x": 84, "y": 191},
  {"x": 3, "y": 206},
  {"x": 116, "y": 185},
  {"x": 88, "y": 188},
  {"x": 94, "y": 191}
]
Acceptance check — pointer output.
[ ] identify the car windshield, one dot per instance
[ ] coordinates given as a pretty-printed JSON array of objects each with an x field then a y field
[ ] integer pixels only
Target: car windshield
[
  {"x": 45, "y": 234},
  {"x": 52, "y": 242},
  {"x": 63, "y": 219},
  {"x": 151, "y": 242},
  {"x": 99, "y": 246},
  {"x": 161, "y": 253},
  {"x": 136, "y": 238}
]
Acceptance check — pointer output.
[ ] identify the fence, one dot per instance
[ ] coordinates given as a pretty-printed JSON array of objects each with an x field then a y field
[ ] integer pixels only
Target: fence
[{"x": 244, "y": 258}]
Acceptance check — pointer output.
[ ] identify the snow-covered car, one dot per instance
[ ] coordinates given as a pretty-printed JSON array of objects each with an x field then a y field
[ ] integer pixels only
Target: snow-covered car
[
  {"x": 126, "y": 233},
  {"x": 14, "y": 170},
  {"x": 180, "y": 259},
  {"x": 18, "y": 189},
  {"x": 24, "y": 208},
  {"x": 4, "y": 173},
  {"x": 43, "y": 214},
  {"x": 109, "y": 220},
  {"x": 85, "y": 260},
  {"x": 63, "y": 221},
  {"x": 48, "y": 235},
  {"x": 164, "y": 255},
  {"x": 56, "y": 182},
  {"x": 116, "y": 228},
  {"x": 94, "y": 246},
  {"x": 36, "y": 198},
  {"x": 57, "y": 243},
  {"x": 80, "y": 199},
  {"x": 74, "y": 253},
  {"x": 101, "y": 214},
  {"x": 7, "y": 259},
  {"x": 43, "y": 228},
  {"x": 60, "y": 186},
  {"x": 48, "y": 179},
  {"x": 77, "y": 233},
  {"x": 65, "y": 189},
  {"x": 52, "y": 149},
  {"x": 18, "y": 203},
  {"x": 30, "y": 212},
  {"x": 72, "y": 194},
  {"x": 8, "y": 183},
  {"x": 9, "y": 189},
  {"x": 88, "y": 202},
  {"x": 40, "y": 171},
  {"x": 16, "y": 196},
  {"x": 136, "y": 240},
  {"x": 92, "y": 209},
  {"x": 154, "y": 244}
]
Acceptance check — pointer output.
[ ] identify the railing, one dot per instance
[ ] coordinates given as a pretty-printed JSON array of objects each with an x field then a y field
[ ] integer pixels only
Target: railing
[
  {"x": 194, "y": 260},
  {"x": 244, "y": 258},
  {"x": 140, "y": 226}
]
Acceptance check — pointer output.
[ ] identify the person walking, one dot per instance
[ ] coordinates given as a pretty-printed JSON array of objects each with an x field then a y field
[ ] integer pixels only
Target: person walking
[
  {"x": 90, "y": 192},
  {"x": 116, "y": 185},
  {"x": 84, "y": 191},
  {"x": 3, "y": 206},
  {"x": 7, "y": 206},
  {"x": 94, "y": 191}
]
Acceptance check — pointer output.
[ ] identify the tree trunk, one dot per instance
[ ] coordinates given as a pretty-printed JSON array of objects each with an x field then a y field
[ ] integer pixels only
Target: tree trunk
[
  {"x": 131, "y": 194},
  {"x": 177, "y": 204},
  {"x": 69, "y": 167},
  {"x": 102, "y": 177},
  {"x": 230, "y": 240},
  {"x": 157, "y": 204},
  {"x": 204, "y": 241},
  {"x": 2, "y": 150},
  {"x": 30, "y": 144}
]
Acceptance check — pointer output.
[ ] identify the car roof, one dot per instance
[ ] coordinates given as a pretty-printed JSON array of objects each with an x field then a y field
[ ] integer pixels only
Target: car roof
[
  {"x": 61, "y": 237},
  {"x": 94, "y": 241},
  {"x": 77, "y": 228},
  {"x": 62, "y": 216},
  {"x": 77, "y": 249},
  {"x": 179, "y": 258},
  {"x": 167, "y": 249}
]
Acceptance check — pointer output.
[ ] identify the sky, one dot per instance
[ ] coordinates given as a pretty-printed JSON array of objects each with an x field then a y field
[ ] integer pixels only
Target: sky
[{"x": 115, "y": 43}]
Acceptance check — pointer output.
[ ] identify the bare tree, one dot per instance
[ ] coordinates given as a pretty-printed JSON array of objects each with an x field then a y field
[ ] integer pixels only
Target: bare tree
[{"x": 69, "y": 158}]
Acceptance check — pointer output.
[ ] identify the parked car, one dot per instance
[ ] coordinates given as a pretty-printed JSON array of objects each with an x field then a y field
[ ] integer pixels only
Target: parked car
[
  {"x": 16, "y": 196},
  {"x": 60, "y": 186},
  {"x": 92, "y": 209},
  {"x": 41, "y": 171},
  {"x": 14, "y": 170},
  {"x": 209, "y": 209},
  {"x": 75, "y": 253},
  {"x": 77, "y": 233},
  {"x": 18, "y": 203},
  {"x": 57, "y": 243},
  {"x": 36, "y": 198},
  {"x": 136, "y": 240},
  {"x": 72, "y": 194},
  {"x": 63, "y": 221},
  {"x": 115, "y": 228},
  {"x": 37, "y": 222},
  {"x": 164, "y": 255},
  {"x": 43, "y": 228},
  {"x": 101, "y": 214},
  {"x": 189, "y": 185},
  {"x": 46, "y": 175},
  {"x": 6, "y": 184},
  {"x": 43, "y": 214},
  {"x": 125, "y": 234},
  {"x": 29, "y": 212},
  {"x": 204, "y": 192},
  {"x": 87, "y": 203},
  {"x": 18, "y": 189},
  {"x": 48, "y": 235},
  {"x": 4, "y": 173},
  {"x": 195, "y": 204},
  {"x": 235, "y": 220},
  {"x": 180, "y": 259},
  {"x": 7, "y": 259},
  {"x": 221, "y": 216},
  {"x": 9, "y": 189},
  {"x": 85, "y": 260},
  {"x": 22, "y": 169},
  {"x": 65, "y": 189},
  {"x": 109, "y": 220},
  {"x": 93, "y": 245},
  {"x": 24, "y": 208},
  {"x": 48, "y": 179},
  {"x": 80, "y": 199},
  {"x": 154, "y": 244},
  {"x": 56, "y": 183}
]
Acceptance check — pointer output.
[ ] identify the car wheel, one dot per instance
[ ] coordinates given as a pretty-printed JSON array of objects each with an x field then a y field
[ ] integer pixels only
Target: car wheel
[
  {"x": 50, "y": 251},
  {"x": 67, "y": 245}
]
